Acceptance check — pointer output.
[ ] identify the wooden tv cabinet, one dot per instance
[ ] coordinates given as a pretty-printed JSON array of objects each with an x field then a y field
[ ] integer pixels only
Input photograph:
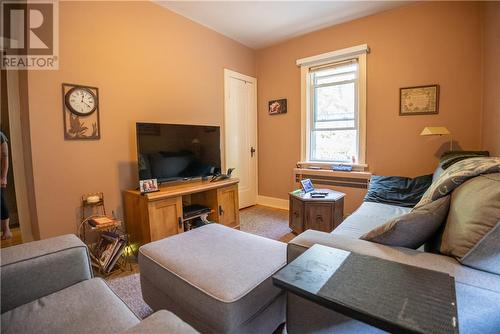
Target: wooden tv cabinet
[{"x": 157, "y": 215}]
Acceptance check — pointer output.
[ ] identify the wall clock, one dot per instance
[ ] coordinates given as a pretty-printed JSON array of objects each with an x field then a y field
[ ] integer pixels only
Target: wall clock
[{"x": 81, "y": 112}]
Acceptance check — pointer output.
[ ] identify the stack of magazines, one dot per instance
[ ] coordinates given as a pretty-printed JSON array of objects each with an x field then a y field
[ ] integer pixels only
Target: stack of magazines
[
  {"x": 108, "y": 250},
  {"x": 103, "y": 222}
]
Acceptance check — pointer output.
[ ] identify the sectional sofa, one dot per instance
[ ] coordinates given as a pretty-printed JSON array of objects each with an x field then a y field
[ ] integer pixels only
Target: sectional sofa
[
  {"x": 478, "y": 291},
  {"x": 48, "y": 287}
]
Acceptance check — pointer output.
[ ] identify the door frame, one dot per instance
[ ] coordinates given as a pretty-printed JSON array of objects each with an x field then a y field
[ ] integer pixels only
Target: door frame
[
  {"x": 233, "y": 74},
  {"x": 17, "y": 151}
]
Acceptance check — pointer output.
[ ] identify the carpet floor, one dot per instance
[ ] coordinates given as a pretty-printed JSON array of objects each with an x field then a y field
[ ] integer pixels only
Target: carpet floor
[{"x": 260, "y": 220}]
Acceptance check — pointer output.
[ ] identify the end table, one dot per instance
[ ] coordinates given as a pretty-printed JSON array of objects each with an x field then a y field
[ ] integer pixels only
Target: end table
[{"x": 322, "y": 214}]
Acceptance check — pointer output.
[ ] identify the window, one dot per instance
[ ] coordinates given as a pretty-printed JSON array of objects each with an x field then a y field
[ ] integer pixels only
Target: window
[{"x": 334, "y": 107}]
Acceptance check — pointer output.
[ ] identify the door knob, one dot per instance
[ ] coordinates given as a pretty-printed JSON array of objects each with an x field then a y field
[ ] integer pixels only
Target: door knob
[{"x": 252, "y": 151}]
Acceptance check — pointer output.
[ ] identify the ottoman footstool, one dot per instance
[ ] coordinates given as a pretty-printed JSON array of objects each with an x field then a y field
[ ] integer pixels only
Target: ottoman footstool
[{"x": 216, "y": 278}]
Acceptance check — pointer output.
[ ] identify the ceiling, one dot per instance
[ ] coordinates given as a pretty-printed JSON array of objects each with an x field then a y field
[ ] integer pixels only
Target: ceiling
[{"x": 258, "y": 24}]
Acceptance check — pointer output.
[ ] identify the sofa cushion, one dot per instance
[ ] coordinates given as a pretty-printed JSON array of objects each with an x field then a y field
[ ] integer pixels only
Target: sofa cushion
[
  {"x": 161, "y": 322},
  {"x": 45, "y": 266},
  {"x": 214, "y": 277},
  {"x": 367, "y": 217},
  {"x": 87, "y": 307},
  {"x": 397, "y": 190},
  {"x": 413, "y": 229},
  {"x": 474, "y": 212}
]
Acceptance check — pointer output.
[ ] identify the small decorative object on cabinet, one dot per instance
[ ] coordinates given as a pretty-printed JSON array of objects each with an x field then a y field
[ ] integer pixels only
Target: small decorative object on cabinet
[
  {"x": 80, "y": 112},
  {"x": 316, "y": 213},
  {"x": 107, "y": 242},
  {"x": 148, "y": 186}
]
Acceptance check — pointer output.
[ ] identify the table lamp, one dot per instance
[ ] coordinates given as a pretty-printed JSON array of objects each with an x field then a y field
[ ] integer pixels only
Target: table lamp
[{"x": 437, "y": 131}]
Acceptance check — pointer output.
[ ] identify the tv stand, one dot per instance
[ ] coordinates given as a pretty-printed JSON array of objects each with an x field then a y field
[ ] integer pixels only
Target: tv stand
[{"x": 158, "y": 215}]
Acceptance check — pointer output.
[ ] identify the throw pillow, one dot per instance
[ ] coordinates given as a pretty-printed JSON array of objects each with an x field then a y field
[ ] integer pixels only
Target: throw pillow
[
  {"x": 449, "y": 158},
  {"x": 472, "y": 221},
  {"x": 397, "y": 190},
  {"x": 413, "y": 229}
]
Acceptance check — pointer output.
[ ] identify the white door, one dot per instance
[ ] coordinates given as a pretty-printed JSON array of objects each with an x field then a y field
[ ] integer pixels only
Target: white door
[{"x": 240, "y": 128}]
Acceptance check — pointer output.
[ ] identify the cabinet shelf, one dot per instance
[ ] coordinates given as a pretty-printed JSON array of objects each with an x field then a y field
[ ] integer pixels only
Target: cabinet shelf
[{"x": 198, "y": 215}]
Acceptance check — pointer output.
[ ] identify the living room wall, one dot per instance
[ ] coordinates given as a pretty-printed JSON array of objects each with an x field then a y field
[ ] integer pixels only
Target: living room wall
[
  {"x": 491, "y": 68},
  {"x": 149, "y": 65},
  {"x": 418, "y": 44}
]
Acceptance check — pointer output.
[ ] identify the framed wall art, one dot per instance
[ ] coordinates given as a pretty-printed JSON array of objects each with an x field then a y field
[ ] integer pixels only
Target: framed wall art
[
  {"x": 277, "y": 107},
  {"x": 80, "y": 112},
  {"x": 419, "y": 100}
]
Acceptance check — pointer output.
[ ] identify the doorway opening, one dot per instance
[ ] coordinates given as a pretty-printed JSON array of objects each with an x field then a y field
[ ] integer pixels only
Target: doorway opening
[{"x": 12, "y": 235}]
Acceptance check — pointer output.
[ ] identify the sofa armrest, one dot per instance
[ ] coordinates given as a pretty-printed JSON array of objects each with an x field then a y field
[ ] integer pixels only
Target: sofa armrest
[
  {"x": 161, "y": 322},
  {"x": 407, "y": 256},
  {"x": 39, "y": 268}
]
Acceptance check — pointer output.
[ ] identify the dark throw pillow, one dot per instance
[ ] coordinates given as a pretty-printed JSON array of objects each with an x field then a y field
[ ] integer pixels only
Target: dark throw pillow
[
  {"x": 449, "y": 158},
  {"x": 412, "y": 229},
  {"x": 397, "y": 190}
]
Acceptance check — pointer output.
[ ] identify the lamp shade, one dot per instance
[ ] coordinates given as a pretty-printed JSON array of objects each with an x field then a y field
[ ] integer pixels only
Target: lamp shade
[{"x": 435, "y": 130}]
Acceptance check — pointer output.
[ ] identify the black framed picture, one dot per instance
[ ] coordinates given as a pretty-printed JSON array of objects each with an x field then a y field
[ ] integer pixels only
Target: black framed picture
[{"x": 277, "y": 107}]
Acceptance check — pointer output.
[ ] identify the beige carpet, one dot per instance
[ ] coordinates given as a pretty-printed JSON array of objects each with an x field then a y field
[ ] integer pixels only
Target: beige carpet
[
  {"x": 266, "y": 222},
  {"x": 260, "y": 220}
]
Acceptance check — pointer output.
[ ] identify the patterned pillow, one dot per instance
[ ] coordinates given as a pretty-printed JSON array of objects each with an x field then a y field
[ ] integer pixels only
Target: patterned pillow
[
  {"x": 449, "y": 158},
  {"x": 458, "y": 174}
]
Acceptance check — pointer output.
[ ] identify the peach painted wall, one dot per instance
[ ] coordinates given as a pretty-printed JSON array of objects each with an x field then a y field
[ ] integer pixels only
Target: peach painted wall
[
  {"x": 149, "y": 65},
  {"x": 418, "y": 44},
  {"x": 491, "y": 102}
]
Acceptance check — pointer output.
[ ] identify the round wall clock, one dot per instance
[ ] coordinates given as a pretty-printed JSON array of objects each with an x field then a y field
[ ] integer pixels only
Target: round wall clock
[{"x": 80, "y": 101}]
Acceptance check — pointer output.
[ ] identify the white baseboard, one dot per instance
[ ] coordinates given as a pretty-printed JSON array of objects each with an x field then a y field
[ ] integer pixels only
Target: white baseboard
[{"x": 273, "y": 202}]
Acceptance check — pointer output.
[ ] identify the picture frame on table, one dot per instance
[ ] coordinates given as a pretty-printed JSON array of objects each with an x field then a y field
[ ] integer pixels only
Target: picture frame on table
[{"x": 148, "y": 186}]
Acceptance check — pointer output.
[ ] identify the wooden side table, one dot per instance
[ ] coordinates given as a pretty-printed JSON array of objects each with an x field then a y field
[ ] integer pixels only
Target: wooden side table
[{"x": 322, "y": 214}]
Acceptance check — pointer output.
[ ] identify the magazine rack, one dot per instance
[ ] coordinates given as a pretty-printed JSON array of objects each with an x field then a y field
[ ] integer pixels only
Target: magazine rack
[
  {"x": 95, "y": 244},
  {"x": 95, "y": 236}
]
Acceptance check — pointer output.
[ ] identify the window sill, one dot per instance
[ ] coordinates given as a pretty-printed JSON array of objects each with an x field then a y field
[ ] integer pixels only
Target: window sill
[
  {"x": 315, "y": 165},
  {"x": 333, "y": 173}
]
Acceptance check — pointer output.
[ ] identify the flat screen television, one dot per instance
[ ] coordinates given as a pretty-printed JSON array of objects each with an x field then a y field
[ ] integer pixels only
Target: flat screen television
[{"x": 174, "y": 152}]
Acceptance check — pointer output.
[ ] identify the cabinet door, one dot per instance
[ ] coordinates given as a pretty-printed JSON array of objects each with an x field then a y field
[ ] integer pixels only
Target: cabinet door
[
  {"x": 296, "y": 215},
  {"x": 228, "y": 213},
  {"x": 319, "y": 216},
  {"x": 165, "y": 218}
]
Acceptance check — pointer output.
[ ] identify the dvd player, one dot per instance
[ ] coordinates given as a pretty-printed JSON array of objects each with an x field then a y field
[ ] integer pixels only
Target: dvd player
[{"x": 194, "y": 210}]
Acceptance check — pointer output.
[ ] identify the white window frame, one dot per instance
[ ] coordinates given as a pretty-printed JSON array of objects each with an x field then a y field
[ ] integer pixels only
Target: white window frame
[{"x": 357, "y": 52}]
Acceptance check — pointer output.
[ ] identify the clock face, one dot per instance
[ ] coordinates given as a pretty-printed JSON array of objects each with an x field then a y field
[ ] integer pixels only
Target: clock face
[{"x": 81, "y": 101}]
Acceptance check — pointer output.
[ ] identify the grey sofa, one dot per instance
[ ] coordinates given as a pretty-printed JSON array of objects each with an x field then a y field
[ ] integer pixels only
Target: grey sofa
[
  {"x": 478, "y": 292},
  {"x": 48, "y": 287}
]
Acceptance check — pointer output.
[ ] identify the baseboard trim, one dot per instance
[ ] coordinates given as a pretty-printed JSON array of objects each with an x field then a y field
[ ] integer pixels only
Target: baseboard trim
[{"x": 273, "y": 202}]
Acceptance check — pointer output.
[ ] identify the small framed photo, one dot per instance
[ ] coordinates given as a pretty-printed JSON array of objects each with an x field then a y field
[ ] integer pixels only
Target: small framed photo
[
  {"x": 277, "y": 107},
  {"x": 419, "y": 100},
  {"x": 148, "y": 186},
  {"x": 307, "y": 185}
]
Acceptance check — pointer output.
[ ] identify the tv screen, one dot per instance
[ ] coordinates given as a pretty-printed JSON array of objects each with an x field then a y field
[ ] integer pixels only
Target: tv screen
[{"x": 173, "y": 152}]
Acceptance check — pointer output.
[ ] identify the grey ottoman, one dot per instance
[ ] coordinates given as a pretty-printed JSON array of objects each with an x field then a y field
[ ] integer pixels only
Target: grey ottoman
[{"x": 216, "y": 278}]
